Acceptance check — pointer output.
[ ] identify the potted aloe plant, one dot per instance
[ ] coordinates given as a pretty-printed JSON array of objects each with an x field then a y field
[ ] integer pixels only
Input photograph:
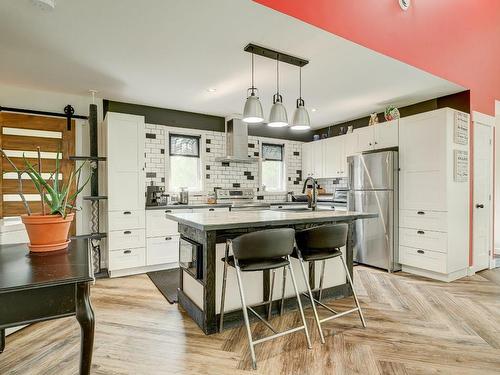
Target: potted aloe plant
[{"x": 48, "y": 229}]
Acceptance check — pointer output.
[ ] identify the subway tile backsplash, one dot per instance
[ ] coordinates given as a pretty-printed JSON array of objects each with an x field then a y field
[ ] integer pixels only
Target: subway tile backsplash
[{"x": 221, "y": 174}]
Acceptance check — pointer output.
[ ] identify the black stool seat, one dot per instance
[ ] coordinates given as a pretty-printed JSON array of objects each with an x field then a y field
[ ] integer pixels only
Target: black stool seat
[
  {"x": 258, "y": 264},
  {"x": 320, "y": 254}
]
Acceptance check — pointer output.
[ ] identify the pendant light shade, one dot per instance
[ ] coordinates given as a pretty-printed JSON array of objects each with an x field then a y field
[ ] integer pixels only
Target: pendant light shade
[
  {"x": 278, "y": 117},
  {"x": 252, "y": 112},
  {"x": 301, "y": 119}
]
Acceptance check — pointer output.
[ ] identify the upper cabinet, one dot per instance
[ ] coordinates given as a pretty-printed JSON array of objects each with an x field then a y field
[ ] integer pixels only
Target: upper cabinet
[
  {"x": 380, "y": 136},
  {"x": 327, "y": 158},
  {"x": 124, "y": 135}
]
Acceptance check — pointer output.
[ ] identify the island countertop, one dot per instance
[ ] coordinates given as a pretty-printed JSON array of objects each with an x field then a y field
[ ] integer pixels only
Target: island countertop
[{"x": 208, "y": 221}]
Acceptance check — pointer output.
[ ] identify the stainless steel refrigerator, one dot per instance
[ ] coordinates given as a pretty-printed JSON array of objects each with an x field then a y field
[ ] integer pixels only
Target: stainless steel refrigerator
[{"x": 373, "y": 187}]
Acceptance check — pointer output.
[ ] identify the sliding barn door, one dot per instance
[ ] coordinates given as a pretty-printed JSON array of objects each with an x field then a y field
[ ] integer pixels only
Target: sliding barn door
[{"x": 22, "y": 134}]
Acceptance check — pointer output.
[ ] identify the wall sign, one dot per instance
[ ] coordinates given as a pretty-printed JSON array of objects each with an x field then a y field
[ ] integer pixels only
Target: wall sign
[
  {"x": 404, "y": 4},
  {"x": 460, "y": 165},
  {"x": 461, "y": 129}
]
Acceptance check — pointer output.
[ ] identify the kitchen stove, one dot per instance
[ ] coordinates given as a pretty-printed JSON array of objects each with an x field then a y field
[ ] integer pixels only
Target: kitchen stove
[{"x": 240, "y": 199}]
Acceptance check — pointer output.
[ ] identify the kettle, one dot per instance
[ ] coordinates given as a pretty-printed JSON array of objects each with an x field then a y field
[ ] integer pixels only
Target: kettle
[{"x": 184, "y": 196}]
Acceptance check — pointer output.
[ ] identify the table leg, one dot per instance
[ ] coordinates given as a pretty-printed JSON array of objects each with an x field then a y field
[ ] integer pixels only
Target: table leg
[
  {"x": 85, "y": 316},
  {"x": 2, "y": 340}
]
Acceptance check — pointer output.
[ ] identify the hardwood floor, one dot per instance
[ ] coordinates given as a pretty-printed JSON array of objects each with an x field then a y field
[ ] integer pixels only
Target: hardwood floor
[{"x": 415, "y": 326}]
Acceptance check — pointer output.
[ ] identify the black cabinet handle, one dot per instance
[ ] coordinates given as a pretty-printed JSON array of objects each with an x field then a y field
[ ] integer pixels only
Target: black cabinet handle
[
  {"x": 127, "y": 252},
  {"x": 420, "y": 232},
  {"x": 421, "y": 212},
  {"x": 168, "y": 238},
  {"x": 420, "y": 251},
  {"x": 127, "y": 213},
  {"x": 479, "y": 205},
  {"x": 280, "y": 206},
  {"x": 168, "y": 211},
  {"x": 211, "y": 209},
  {"x": 127, "y": 232}
]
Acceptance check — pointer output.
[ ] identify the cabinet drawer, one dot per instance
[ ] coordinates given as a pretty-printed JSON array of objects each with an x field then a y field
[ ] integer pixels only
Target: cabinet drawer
[
  {"x": 127, "y": 238},
  {"x": 423, "y": 239},
  {"x": 158, "y": 225},
  {"x": 118, "y": 220},
  {"x": 162, "y": 250},
  {"x": 423, "y": 219},
  {"x": 424, "y": 259},
  {"x": 127, "y": 258}
]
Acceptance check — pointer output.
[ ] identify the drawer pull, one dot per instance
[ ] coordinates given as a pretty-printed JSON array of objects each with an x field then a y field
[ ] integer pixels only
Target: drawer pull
[
  {"x": 420, "y": 232},
  {"x": 127, "y": 232},
  {"x": 127, "y": 213},
  {"x": 421, "y": 212},
  {"x": 211, "y": 209},
  {"x": 420, "y": 251},
  {"x": 168, "y": 238},
  {"x": 127, "y": 252},
  {"x": 168, "y": 211}
]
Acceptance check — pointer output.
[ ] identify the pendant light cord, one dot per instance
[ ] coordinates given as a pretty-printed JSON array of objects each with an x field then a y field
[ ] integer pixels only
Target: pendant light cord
[
  {"x": 253, "y": 87},
  {"x": 300, "y": 82},
  {"x": 278, "y": 74}
]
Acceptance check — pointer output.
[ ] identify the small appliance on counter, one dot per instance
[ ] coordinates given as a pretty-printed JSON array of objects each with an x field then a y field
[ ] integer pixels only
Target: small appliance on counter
[
  {"x": 240, "y": 199},
  {"x": 184, "y": 196},
  {"x": 155, "y": 195}
]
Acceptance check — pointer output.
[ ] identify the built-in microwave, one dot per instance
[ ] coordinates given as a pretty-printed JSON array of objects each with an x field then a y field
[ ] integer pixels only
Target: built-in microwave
[{"x": 191, "y": 257}]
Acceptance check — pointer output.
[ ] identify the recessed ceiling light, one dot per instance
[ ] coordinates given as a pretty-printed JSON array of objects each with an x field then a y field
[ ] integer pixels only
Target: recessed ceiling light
[
  {"x": 313, "y": 109},
  {"x": 45, "y": 4},
  {"x": 211, "y": 90}
]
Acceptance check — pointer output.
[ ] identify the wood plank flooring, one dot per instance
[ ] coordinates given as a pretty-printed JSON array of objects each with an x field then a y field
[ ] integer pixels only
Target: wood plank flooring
[{"x": 415, "y": 326}]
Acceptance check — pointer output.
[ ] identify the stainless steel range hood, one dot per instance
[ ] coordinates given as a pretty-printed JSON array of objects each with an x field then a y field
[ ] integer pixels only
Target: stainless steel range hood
[{"x": 237, "y": 143}]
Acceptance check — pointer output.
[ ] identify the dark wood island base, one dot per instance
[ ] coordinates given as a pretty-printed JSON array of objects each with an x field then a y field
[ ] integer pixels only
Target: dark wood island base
[{"x": 204, "y": 231}]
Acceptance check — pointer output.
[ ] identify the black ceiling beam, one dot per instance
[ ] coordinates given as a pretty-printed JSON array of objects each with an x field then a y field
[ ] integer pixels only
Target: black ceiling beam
[{"x": 275, "y": 55}]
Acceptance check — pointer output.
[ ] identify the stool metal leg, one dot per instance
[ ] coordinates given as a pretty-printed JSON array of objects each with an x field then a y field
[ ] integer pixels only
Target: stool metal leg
[
  {"x": 311, "y": 298},
  {"x": 283, "y": 292},
  {"x": 270, "y": 301},
  {"x": 223, "y": 296},
  {"x": 321, "y": 278},
  {"x": 292, "y": 276},
  {"x": 245, "y": 314},
  {"x": 353, "y": 291}
]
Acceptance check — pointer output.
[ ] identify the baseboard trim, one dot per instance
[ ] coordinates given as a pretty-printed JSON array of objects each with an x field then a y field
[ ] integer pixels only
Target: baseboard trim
[
  {"x": 436, "y": 275},
  {"x": 139, "y": 270}
]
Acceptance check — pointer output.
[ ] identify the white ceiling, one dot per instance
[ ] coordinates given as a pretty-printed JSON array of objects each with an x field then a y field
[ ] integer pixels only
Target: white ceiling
[{"x": 167, "y": 53}]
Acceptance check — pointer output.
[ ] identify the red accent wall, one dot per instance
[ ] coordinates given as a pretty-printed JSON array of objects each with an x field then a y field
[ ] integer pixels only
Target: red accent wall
[{"x": 458, "y": 40}]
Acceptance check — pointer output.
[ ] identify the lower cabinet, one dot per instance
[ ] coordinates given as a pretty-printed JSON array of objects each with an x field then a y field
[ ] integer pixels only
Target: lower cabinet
[
  {"x": 162, "y": 250},
  {"x": 127, "y": 258}
]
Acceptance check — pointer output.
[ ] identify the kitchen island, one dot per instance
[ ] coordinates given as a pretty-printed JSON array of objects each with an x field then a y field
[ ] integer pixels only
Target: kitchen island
[{"x": 202, "y": 246}]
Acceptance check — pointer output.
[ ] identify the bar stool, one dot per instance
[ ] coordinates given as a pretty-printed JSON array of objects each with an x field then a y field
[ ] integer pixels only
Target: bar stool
[
  {"x": 319, "y": 244},
  {"x": 268, "y": 249}
]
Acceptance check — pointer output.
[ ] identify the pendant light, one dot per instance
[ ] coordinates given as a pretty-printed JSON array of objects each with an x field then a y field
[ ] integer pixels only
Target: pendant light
[
  {"x": 301, "y": 117},
  {"x": 278, "y": 117},
  {"x": 252, "y": 112}
]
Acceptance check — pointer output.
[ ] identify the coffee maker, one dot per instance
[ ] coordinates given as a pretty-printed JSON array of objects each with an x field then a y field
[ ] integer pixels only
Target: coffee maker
[{"x": 155, "y": 195}]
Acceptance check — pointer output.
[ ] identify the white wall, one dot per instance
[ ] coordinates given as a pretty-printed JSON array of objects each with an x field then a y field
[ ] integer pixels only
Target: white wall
[
  {"x": 497, "y": 177},
  {"x": 26, "y": 98}
]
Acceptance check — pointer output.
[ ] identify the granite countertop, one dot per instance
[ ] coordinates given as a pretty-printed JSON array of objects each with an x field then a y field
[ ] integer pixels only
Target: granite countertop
[
  {"x": 184, "y": 206},
  {"x": 243, "y": 219}
]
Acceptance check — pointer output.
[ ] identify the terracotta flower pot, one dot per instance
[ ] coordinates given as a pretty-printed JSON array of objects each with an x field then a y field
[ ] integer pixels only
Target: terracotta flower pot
[{"x": 47, "y": 232}]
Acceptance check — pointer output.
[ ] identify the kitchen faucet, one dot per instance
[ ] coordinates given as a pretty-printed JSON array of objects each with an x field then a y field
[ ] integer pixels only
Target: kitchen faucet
[{"x": 311, "y": 202}]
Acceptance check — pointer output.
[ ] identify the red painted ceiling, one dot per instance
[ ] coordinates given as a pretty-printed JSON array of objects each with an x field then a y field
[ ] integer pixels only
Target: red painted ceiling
[{"x": 458, "y": 40}]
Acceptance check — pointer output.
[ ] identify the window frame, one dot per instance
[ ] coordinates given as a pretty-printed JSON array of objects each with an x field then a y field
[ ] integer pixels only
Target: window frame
[
  {"x": 201, "y": 156},
  {"x": 283, "y": 188}
]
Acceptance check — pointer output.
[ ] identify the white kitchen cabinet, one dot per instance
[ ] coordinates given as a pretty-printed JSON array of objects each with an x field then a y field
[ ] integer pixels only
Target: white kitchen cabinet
[
  {"x": 123, "y": 145},
  {"x": 377, "y": 137},
  {"x": 433, "y": 205},
  {"x": 333, "y": 157},
  {"x": 313, "y": 159},
  {"x": 157, "y": 223},
  {"x": 125, "y": 161},
  {"x": 162, "y": 250}
]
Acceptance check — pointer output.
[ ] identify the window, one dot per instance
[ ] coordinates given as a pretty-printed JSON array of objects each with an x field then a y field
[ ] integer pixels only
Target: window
[
  {"x": 185, "y": 163},
  {"x": 273, "y": 175}
]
